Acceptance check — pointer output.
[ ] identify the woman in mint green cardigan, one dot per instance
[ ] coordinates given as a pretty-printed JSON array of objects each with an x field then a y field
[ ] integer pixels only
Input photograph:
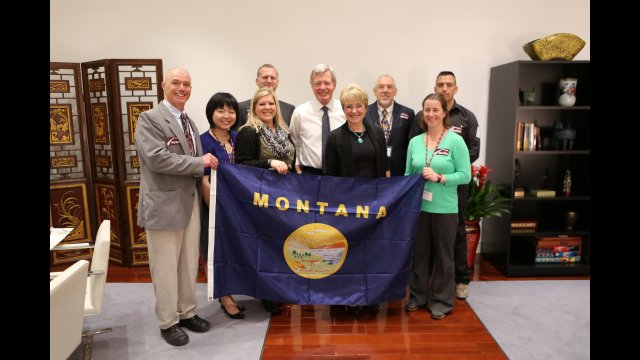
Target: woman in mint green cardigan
[{"x": 442, "y": 157}]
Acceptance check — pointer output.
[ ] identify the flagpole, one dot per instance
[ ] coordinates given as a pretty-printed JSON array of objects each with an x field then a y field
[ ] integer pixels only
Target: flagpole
[{"x": 212, "y": 231}]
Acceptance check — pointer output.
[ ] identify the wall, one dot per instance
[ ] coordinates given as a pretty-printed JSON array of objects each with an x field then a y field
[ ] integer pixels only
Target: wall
[{"x": 223, "y": 43}]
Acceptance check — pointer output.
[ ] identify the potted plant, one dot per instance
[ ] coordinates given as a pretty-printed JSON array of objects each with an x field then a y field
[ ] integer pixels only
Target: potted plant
[{"x": 484, "y": 201}]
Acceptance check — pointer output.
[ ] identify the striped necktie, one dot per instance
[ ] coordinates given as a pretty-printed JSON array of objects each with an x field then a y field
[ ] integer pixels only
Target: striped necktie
[{"x": 187, "y": 133}]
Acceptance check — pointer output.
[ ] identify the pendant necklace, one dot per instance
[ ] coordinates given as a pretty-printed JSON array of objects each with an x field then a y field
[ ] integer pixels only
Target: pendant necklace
[
  {"x": 360, "y": 141},
  {"x": 224, "y": 146}
]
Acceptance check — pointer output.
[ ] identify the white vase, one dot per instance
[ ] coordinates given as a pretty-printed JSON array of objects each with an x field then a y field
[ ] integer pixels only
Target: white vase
[{"x": 568, "y": 88}]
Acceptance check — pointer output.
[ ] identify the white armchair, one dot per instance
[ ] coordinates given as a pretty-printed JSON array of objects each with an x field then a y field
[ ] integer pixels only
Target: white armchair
[
  {"x": 99, "y": 268},
  {"x": 66, "y": 310},
  {"x": 96, "y": 280}
]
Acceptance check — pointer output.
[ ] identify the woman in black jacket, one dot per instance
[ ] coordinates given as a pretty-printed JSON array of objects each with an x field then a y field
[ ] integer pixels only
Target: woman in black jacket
[
  {"x": 356, "y": 149},
  {"x": 264, "y": 140}
]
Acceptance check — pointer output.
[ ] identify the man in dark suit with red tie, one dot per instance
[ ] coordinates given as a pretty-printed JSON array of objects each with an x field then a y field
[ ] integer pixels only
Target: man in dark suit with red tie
[{"x": 394, "y": 119}]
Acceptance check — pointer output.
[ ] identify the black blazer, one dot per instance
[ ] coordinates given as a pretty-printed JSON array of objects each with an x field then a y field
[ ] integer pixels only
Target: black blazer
[
  {"x": 285, "y": 108},
  {"x": 399, "y": 138},
  {"x": 247, "y": 149},
  {"x": 339, "y": 157}
]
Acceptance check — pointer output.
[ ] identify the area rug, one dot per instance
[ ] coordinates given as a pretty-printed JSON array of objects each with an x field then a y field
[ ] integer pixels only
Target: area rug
[
  {"x": 534, "y": 319},
  {"x": 129, "y": 310}
]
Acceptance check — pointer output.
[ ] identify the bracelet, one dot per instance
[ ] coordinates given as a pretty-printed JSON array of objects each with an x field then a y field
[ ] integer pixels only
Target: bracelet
[
  {"x": 269, "y": 162},
  {"x": 439, "y": 178}
]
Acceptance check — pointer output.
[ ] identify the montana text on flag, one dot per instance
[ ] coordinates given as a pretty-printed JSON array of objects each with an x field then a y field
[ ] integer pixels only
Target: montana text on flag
[{"x": 308, "y": 239}]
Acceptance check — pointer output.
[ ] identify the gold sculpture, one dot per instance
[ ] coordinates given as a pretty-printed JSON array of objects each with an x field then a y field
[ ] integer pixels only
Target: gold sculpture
[{"x": 561, "y": 46}]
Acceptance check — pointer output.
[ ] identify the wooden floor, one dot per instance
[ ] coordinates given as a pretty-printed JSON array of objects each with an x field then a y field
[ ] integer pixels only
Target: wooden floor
[{"x": 323, "y": 332}]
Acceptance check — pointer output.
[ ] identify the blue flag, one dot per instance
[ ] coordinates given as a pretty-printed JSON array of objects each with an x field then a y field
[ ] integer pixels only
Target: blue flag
[{"x": 307, "y": 239}]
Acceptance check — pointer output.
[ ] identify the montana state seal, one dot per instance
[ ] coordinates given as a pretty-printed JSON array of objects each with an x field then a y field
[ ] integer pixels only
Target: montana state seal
[{"x": 315, "y": 251}]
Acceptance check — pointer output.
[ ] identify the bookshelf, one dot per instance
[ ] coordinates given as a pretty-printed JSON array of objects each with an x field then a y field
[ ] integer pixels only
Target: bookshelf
[{"x": 541, "y": 168}]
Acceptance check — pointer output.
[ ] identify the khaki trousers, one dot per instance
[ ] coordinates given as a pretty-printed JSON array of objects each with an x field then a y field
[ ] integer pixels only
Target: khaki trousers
[{"x": 173, "y": 260}]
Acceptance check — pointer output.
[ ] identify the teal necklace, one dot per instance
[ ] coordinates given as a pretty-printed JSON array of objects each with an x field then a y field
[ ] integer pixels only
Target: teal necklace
[{"x": 359, "y": 135}]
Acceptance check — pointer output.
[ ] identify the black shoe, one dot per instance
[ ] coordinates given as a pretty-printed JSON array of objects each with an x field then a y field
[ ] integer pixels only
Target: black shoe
[
  {"x": 374, "y": 308},
  {"x": 435, "y": 314},
  {"x": 412, "y": 305},
  {"x": 271, "y": 306},
  {"x": 174, "y": 335},
  {"x": 195, "y": 323},
  {"x": 238, "y": 315},
  {"x": 240, "y": 306},
  {"x": 353, "y": 309}
]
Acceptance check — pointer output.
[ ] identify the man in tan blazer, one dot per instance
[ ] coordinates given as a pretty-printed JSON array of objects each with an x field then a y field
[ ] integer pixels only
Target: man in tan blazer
[{"x": 172, "y": 166}]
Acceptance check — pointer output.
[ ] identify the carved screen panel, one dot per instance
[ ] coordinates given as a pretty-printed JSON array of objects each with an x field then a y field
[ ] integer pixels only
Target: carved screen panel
[
  {"x": 138, "y": 235},
  {"x": 67, "y": 160},
  {"x": 98, "y": 115},
  {"x": 119, "y": 91},
  {"x": 69, "y": 208},
  {"x": 69, "y": 172},
  {"x": 138, "y": 84}
]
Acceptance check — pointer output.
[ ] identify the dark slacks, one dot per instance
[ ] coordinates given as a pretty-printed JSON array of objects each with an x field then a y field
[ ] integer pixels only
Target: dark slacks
[
  {"x": 435, "y": 232},
  {"x": 463, "y": 275},
  {"x": 310, "y": 170}
]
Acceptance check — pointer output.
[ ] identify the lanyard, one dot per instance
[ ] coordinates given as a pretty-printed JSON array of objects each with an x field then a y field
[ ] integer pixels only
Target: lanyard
[{"x": 426, "y": 144}]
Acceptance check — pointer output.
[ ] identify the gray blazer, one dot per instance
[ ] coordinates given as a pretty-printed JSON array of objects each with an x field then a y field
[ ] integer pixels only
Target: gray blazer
[{"x": 170, "y": 176}]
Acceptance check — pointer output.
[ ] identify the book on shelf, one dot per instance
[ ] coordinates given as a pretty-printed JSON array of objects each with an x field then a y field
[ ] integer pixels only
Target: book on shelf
[
  {"x": 566, "y": 240},
  {"x": 548, "y": 252},
  {"x": 519, "y": 224},
  {"x": 527, "y": 136},
  {"x": 543, "y": 193},
  {"x": 523, "y": 226},
  {"x": 541, "y": 247},
  {"x": 558, "y": 260},
  {"x": 519, "y": 131},
  {"x": 518, "y": 193},
  {"x": 556, "y": 243}
]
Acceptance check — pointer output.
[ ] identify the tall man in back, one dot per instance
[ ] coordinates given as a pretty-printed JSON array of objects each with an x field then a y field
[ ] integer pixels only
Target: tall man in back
[
  {"x": 312, "y": 121},
  {"x": 171, "y": 167},
  {"x": 267, "y": 77},
  {"x": 394, "y": 119},
  {"x": 465, "y": 124}
]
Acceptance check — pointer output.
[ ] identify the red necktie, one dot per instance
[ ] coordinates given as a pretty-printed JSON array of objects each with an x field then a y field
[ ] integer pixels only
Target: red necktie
[{"x": 187, "y": 133}]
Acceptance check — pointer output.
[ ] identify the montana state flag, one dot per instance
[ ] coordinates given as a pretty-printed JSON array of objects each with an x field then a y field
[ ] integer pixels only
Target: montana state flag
[{"x": 308, "y": 239}]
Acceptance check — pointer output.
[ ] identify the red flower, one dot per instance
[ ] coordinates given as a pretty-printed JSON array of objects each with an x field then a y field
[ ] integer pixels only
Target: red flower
[
  {"x": 484, "y": 199},
  {"x": 479, "y": 174}
]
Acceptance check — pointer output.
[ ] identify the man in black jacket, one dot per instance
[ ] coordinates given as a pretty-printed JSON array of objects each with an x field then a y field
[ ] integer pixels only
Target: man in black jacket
[
  {"x": 267, "y": 77},
  {"x": 465, "y": 124},
  {"x": 394, "y": 119}
]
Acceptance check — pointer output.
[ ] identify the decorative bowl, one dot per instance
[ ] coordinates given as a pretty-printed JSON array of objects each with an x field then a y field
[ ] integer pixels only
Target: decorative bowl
[{"x": 561, "y": 46}]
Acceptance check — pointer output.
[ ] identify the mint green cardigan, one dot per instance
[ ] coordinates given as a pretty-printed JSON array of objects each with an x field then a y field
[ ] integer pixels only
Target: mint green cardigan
[{"x": 455, "y": 166}]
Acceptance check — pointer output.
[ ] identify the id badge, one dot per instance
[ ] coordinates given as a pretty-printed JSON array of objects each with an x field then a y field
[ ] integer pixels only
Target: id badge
[
  {"x": 389, "y": 151},
  {"x": 427, "y": 195}
]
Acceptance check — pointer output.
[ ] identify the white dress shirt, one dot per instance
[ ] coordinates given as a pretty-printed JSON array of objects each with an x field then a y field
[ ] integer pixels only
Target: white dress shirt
[{"x": 306, "y": 130}]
